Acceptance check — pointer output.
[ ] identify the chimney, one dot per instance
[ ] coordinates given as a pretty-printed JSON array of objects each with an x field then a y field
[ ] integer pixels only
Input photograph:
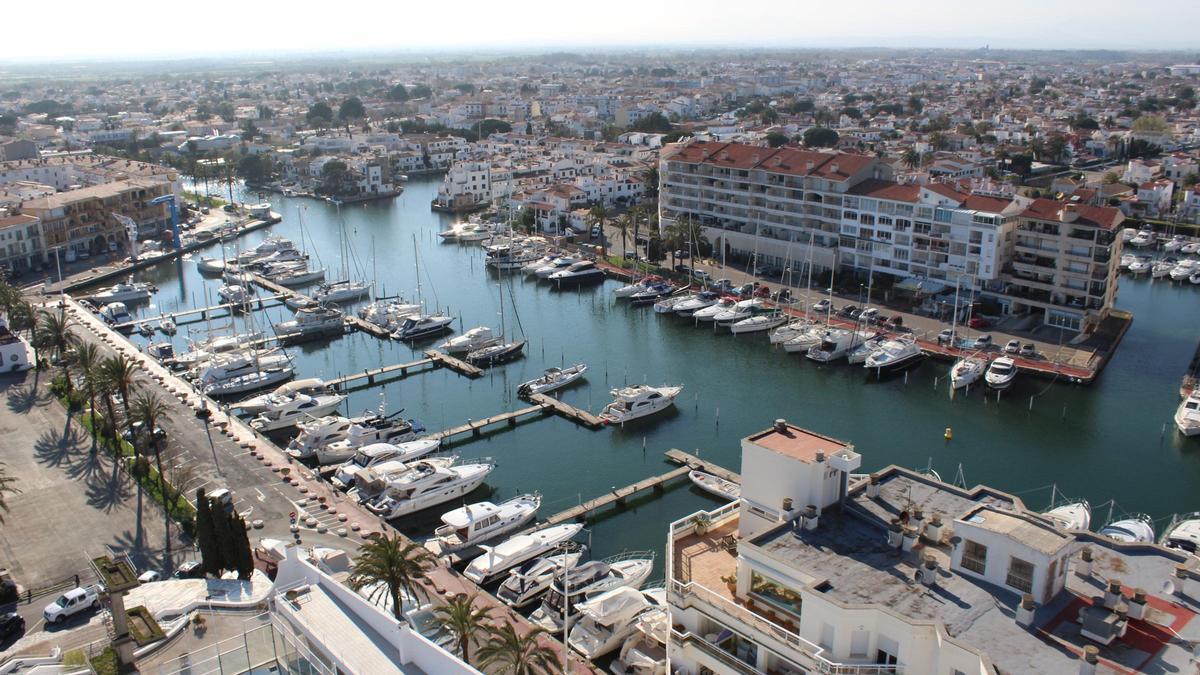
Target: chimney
[
  {"x": 935, "y": 528},
  {"x": 929, "y": 570},
  {"x": 1025, "y": 611},
  {"x": 811, "y": 517},
  {"x": 1112, "y": 594},
  {"x": 909, "y": 540},
  {"x": 1083, "y": 568},
  {"x": 1069, "y": 213},
  {"x": 1137, "y": 604},
  {"x": 873, "y": 486},
  {"x": 808, "y": 166},
  {"x": 1091, "y": 657},
  {"x": 1181, "y": 575},
  {"x": 820, "y": 456},
  {"x": 833, "y": 168},
  {"x": 754, "y": 159},
  {"x": 786, "y": 507},
  {"x": 895, "y": 533}
]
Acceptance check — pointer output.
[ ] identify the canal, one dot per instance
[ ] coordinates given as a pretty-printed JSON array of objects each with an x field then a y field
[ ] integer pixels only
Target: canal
[{"x": 1111, "y": 441}]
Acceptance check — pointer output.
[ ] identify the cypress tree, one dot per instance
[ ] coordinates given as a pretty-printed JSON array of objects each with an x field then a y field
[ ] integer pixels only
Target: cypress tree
[
  {"x": 206, "y": 536},
  {"x": 223, "y": 527},
  {"x": 244, "y": 560}
]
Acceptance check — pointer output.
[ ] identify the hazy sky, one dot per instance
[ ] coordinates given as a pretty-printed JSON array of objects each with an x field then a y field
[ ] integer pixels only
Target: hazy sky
[{"x": 81, "y": 29}]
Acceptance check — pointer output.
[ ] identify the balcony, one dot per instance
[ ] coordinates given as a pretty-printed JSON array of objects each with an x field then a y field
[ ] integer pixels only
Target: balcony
[{"x": 715, "y": 652}]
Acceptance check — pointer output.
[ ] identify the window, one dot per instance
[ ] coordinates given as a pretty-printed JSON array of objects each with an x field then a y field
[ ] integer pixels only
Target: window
[
  {"x": 771, "y": 591},
  {"x": 974, "y": 556},
  {"x": 1020, "y": 575}
]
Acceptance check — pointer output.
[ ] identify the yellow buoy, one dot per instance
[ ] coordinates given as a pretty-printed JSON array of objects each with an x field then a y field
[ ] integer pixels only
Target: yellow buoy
[{"x": 949, "y": 433}]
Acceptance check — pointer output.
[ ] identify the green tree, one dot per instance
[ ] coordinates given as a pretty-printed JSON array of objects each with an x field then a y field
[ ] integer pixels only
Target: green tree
[
  {"x": 206, "y": 536},
  {"x": 120, "y": 376},
  {"x": 911, "y": 158},
  {"x": 398, "y": 93},
  {"x": 333, "y": 176},
  {"x": 319, "y": 115},
  {"x": 820, "y": 137},
  {"x": 487, "y": 127},
  {"x": 1149, "y": 124},
  {"x": 351, "y": 112},
  {"x": 421, "y": 91},
  {"x": 56, "y": 331},
  {"x": 655, "y": 122},
  {"x": 510, "y": 652},
  {"x": 87, "y": 364},
  {"x": 7, "y": 487},
  {"x": 650, "y": 180},
  {"x": 1056, "y": 147},
  {"x": 254, "y": 169},
  {"x": 624, "y": 224},
  {"x": 394, "y": 565},
  {"x": 151, "y": 411},
  {"x": 243, "y": 559},
  {"x": 599, "y": 216},
  {"x": 463, "y": 620},
  {"x": 776, "y": 139}
]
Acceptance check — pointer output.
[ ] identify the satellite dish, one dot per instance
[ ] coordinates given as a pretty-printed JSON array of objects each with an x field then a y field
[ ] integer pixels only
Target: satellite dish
[{"x": 1168, "y": 587}]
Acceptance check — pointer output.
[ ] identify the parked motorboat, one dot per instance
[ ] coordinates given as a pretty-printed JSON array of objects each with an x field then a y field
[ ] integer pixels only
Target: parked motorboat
[
  {"x": 554, "y": 266},
  {"x": 370, "y": 456},
  {"x": 297, "y": 408},
  {"x": 235, "y": 294},
  {"x": 374, "y": 429},
  {"x": 116, "y": 313},
  {"x": 206, "y": 350},
  {"x": 1182, "y": 270},
  {"x": 477, "y": 523},
  {"x": 610, "y": 618},
  {"x": 144, "y": 328},
  {"x": 371, "y": 484},
  {"x": 792, "y": 330},
  {"x": 341, "y": 291},
  {"x": 317, "y": 435},
  {"x": 710, "y": 313},
  {"x": 1128, "y": 234},
  {"x": 553, "y": 378},
  {"x": 312, "y": 322},
  {"x": 210, "y": 265},
  {"x": 501, "y": 352},
  {"x": 422, "y": 326},
  {"x": 1194, "y": 279},
  {"x": 231, "y": 365},
  {"x": 1127, "y": 259},
  {"x": 582, "y": 272},
  {"x": 1160, "y": 269},
  {"x": 512, "y": 552},
  {"x": 645, "y": 652},
  {"x": 638, "y": 401},
  {"x": 527, "y": 581},
  {"x": 313, "y": 386},
  {"x": 893, "y": 355},
  {"x": 725, "y": 489},
  {"x": 758, "y": 324},
  {"x": 1187, "y": 416},
  {"x": 650, "y": 293},
  {"x": 1183, "y": 534},
  {"x": 812, "y": 337},
  {"x": 1174, "y": 244},
  {"x": 1001, "y": 373},
  {"x": 668, "y": 304},
  {"x": 628, "y": 570},
  {"x": 1190, "y": 249},
  {"x": 835, "y": 343},
  {"x": 1142, "y": 239},
  {"x": 1140, "y": 266},
  {"x": 966, "y": 371},
  {"x": 265, "y": 248},
  {"x": 388, "y": 314},
  {"x": 860, "y": 353},
  {"x": 298, "y": 276},
  {"x": 629, "y": 290},
  {"x": 167, "y": 326},
  {"x": 1072, "y": 516},
  {"x": 1134, "y": 528},
  {"x": 742, "y": 309},
  {"x": 163, "y": 351},
  {"x": 128, "y": 291},
  {"x": 253, "y": 381},
  {"x": 476, "y": 338},
  {"x": 427, "y": 485},
  {"x": 692, "y": 304}
]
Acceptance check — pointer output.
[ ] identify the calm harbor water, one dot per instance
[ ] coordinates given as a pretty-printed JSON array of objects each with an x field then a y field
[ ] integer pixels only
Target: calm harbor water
[{"x": 1102, "y": 442}]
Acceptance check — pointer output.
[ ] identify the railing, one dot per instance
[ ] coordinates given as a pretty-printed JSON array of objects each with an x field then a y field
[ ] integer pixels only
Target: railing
[{"x": 716, "y": 652}]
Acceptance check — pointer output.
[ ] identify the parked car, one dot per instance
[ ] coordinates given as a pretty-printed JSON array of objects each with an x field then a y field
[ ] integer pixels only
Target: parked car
[
  {"x": 1028, "y": 350},
  {"x": 11, "y": 624},
  {"x": 683, "y": 254},
  {"x": 723, "y": 285},
  {"x": 869, "y": 314},
  {"x": 1012, "y": 347},
  {"x": 138, "y": 430},
  {"x": 848, "y": 311},
  {"x": 784, "y": 296},
  {"x": 896, "y": 321},
  {"x": 683, "y": 269},
  {"x": 596, "y": 232},
  {"x": 762, "y": 291},
  {"x": 149, "y": 577},
  {"x": 979, "y": 323},
  {"x": 71, "y": 603},
  {"x": 701, "y": 274},
  {"x": 823, "y": 306},
  {"x": 189, "y": 570},
  {"x": 947, "y": 337},
  {"x": 983, "y": 341}
]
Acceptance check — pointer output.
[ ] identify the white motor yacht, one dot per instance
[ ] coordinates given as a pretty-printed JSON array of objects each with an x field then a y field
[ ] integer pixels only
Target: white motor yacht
[
  {"x": 1182, "y": 270},
  {"x": 128, "y": 291},
  {"x": 588, "y": 580},
  {"x": 299, "y": 276},
  {"x": 556, "y": 265},
  {"x": 610, "y": 618},
  {"x": 372, "y": 483},
  {"x": 533, "y": 577},
  {"x": 835, "y": 343},
  {"x": 116, "y": 313},
  {"x": 697, "y": 302},
  {"x": 311, "y": 322},
  {"x": 1072, "y": 516},
  {"x": 1135, "y": 528},
  {"x": 202, "y": 352},
  {"x": 1142, "y": 239},
  {"x": 388, "y": 313},
  {"x": 645, "y": 652},
  {"x": 806, "y": 340},
  {"x": 1183, "y": 534},
  {"x": 1140, "y": 266},
  {"x": 374, "y": 429},
  {"x": 423, "y": 326},
  {"x": 633, "y": 288},
  {"x": 495, "y": 354},
  {"x": 210, "y": 265},
  {"x": 512, "y": 552},
  {"x": 265, "y": 248},
  {"x": 476, "y": 338},
  {"x": 966, "y": 371},
  {"x": 893, "y": 355},
  {"x": 235, "y": 294},
  {"x": 1127, "y": 259},
  {"x": 296, "y": 408},
  {"x": 476, "y": 232},
  {"x": 1187, "y": 416},
  {"x": 1001, "y": 373},
  {"x": 428, "y": 485},
  {"x": 1160, "y": 269},
  {"x": 476, "y": 523},
  {"x": 370, "y": 456},
  {"x": 715, "y": 485},
  {"x": 533, "y": 267},
  {"x": 553, "y": 378},
  {"x": 860, "y": 353},
  {"x": 368, "y": 428},
  {"x": 1191, "y": 248},
  {"x": 742, "y": 309},
  {"x": 759, "y": 324},
  {"x": 582, "y": 272},
  {"x": 254, "y": 381},
  {"x": 792, "y": 330},
  {"x": 1128, "y": 233},
  {"x": 233, "y": 364},
  {"x": 341, "y": 291},
  {"x": 312, "y": 386},
  {"x": 638, "y": 401},
  {"x": 668, "y": 304},
  {"x": 710, "y": 313},
  {"x": 1174, "y": 244}
]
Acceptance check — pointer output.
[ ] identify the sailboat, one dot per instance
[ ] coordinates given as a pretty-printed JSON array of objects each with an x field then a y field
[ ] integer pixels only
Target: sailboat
[
  {"x": 503, "y": 350},
  {"x": 345, "y": 290},
  {"x": 420, "y": 325}
]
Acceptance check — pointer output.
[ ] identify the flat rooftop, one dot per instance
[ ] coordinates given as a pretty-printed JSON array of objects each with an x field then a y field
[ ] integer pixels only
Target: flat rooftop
[
  {"x": 797, "y": 443},
  {"x": 350, "y": 639},
  {"x": 847, "y": 558}
]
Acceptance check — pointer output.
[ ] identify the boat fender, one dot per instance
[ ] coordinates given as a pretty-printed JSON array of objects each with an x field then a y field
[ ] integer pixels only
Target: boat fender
[{"x": 949, "y": 434}]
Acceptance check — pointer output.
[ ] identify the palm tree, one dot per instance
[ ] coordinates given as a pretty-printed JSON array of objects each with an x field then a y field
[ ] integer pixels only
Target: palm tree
[
  {"x": 120, "y": 372},
  {"x": 87, "y": 363},
  {"x": 650, "y": 178},
  {"x": 150, "y": 410},
  {"x": 395, "y": 564},
  {"x": 911, "y": 158},
  {"x": 598, "y": 215},
  {"x": 462, "y": 619},
  {"x": 56, "y": 331},
  {"x": 623, "y": 226},
  {"x": 516, "y": 654}
]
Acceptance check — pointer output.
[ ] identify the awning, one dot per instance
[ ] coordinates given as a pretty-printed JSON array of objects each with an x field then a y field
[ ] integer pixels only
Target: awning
[{"x": 919, "y": 285}]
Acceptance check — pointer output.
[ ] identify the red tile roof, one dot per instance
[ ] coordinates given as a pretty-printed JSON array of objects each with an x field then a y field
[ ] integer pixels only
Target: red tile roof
[
  {"x": 1103, "y": 217},
  {"x": 796, "y": 161},
  {"x": 883, "y": 189}
]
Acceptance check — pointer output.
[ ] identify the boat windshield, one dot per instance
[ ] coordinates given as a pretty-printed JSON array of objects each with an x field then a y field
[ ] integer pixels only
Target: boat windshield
[{"x": 361, "y": 458}]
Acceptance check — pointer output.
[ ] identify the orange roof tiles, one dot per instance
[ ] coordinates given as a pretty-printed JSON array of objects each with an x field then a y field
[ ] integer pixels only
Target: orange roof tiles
[{"x": 797, "y": 443}]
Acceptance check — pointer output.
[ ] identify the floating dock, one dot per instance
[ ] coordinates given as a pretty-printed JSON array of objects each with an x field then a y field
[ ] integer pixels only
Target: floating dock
[
  {"x": 618, "y": 497},
  {"x": 457, "y": 365},
  {"x": 203, "y": 313},
  {"x": 693, "y": 462},
  {"x": 476, "y": 427},
  {"x": 577, "y": 415},
  {"x": 394, "y": 371}
]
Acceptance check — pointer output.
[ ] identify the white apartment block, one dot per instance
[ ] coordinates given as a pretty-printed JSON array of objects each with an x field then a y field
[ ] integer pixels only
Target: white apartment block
[
  {"x": 841, "y": 211},
  {"x": 820, "y": 569}
]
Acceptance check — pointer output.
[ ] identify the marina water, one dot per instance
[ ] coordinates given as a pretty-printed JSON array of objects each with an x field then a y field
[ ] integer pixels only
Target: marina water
[{"x": 1111, "y": 441}]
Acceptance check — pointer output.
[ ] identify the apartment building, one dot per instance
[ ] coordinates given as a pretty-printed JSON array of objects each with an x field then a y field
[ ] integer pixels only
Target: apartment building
[
  {"x": 841, "y": 211},
  {"x": 20, "y": 242},
  {"x": 82, "y": 220},
  {"x": 818, "y": 569}
]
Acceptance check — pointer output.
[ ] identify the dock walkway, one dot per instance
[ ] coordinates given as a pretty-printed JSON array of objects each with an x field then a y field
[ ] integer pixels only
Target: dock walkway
[
  {"x": 586, "y": 509},
  {"x": 203, "y": 312},
  {"x": 577, "y": 415},
  {"x": 693, "y": 462}
]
